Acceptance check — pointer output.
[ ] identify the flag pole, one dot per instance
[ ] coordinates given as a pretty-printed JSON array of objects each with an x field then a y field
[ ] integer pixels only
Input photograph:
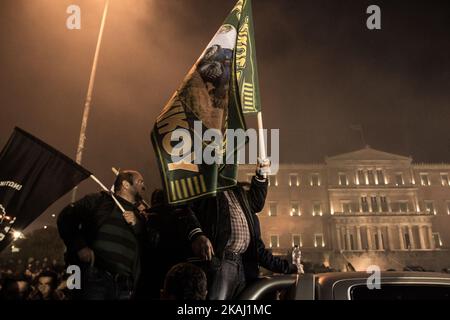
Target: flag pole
[
  {"x": 87, "y": 104},
  {"x": 107, "y": 190},
  {"x": 262, "y": 143}
]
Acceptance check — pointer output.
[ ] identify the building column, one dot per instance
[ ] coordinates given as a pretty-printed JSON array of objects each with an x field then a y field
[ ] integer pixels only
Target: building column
[
  {"x": 390, "y": 238},
  {"x": 423, "y": 245},
  {"x": 430, "y": 238},
  {"x": 401, "y": 238},
  {"x": 338, "y": 238},
  {"x": 358, "y": 238},
  {"x": 347, "y": 239},
  {"x": 379, "y": 239},
  {"x": 411, "y": 237},
  {"x": 369, "y": 238},
  {"x": 343, "y": 238}
]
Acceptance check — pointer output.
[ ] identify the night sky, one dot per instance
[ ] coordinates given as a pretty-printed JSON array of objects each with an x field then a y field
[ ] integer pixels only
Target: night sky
[{"x": 321, "y": 70}]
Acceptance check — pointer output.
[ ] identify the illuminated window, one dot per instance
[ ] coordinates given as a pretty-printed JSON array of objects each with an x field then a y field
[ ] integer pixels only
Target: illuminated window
[
  {"x": 403, "y": 206},
  {"x": 274, "y": 241},
  {"x": 361, "y": 177},
  {"x": 297, "y": 240},
  {"x": 315, "y": 180},
  {"x": 424, "y": 180},
  {"x": 448, "y": 207},
  {"x": 437, "y": 239},
  {"x": 370, "y": 177},
  {"x": 399, "y": 179},
  {"x": 444, "y": 179},
  {"x": 346, "y": 207},
  {"x": 293, "y": 180},
  {"x": 374, "y": 203},
  {"x": 429, "y": 207},
  {"x": 295, "y": 211},
  {"x": 273, "y": 182},
  {"x": 343, "y": 181},
  {"x": 273, "y": 209},
  {"x": 406, "y": 238},
  {"x": 384, "y": 204},
  {"x": 364, "y": 204},
  {"x": 380, "y": 176},
  {"x": 317, "y": 209},
  {"x": 319, "y": 240}
]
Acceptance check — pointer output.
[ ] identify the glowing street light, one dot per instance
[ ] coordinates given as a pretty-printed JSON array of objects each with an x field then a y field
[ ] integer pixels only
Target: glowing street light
[{"x": 17, "y": 235}]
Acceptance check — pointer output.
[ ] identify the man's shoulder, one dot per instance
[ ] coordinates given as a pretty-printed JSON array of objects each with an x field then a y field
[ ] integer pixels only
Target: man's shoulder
[{"x": 97, "y": 197}]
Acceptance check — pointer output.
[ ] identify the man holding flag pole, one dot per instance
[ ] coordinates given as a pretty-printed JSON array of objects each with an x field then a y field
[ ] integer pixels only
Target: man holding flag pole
[{"x": 220, "y": 88}]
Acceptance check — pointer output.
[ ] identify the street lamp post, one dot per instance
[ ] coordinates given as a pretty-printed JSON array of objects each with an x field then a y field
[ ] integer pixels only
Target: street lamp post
[{"x": 87, "y": 104}]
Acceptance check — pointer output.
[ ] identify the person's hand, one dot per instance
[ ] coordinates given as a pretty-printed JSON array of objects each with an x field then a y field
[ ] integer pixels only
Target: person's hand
[
  {"x": 203, "y": 248},
  {"x": 300, "y": 269},
  {"x": 130, "y": 217},
  {"x": 86, "y": 255},
  {"x": 263, "y": 168}
]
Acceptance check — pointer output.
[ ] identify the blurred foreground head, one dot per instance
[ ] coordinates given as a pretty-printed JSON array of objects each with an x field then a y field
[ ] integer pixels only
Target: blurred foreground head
[{"x": 185, "y": 281}]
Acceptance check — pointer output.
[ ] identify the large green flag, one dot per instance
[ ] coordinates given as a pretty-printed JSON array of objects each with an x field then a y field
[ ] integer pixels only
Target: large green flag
[{"x": 221, "y": 87}]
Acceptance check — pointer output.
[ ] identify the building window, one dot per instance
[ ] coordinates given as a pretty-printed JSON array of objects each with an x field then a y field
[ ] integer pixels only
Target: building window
[
  {"x": 407, "y": 239},
  {"x": 295, "y": 211},
  {"x": 364, "y": 204},
  {"x": 424, "y": 180},
  {"x": 273, "y": 181},
  {"x": 374, "y": 202},
  {"x": 448, "y": 207},
  {"x": 437, "y": 239},
  {"x": 444, "y": 179},
  {"x": 273, "y": 209},
  {"x": 315, "y": 180},
  {"x": 352, "y": 242},
  {"x": 403, "y": 206},
  {"x": 380, "y": 177},
  {"x": 384, "y": 204},
  {"x": 378, "y": 237},
  {"x": 429, "y": 207},
  {"x": 319, "y": 240},
  {"x": 317, "y": 209},
  {"x": 297, "y": 240},
  {"x": 343, "y": 181},
  {"x": 361, "y": 177},
  {"x": 274, "y": 241},
  {"x": 346, "y": 207},
  {"x": 293, "y": 180},
  {"x": 399, "y": 179},
  {"x": 370, "y": 177}
]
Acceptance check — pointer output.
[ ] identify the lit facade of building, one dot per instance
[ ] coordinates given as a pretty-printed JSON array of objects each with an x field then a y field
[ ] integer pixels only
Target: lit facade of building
[{"x": 364, "y": 207}]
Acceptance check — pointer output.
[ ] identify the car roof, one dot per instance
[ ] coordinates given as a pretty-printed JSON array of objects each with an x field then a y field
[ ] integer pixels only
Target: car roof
[
  {"x": 335, "y": 276},
  {"x": 328, "y": 283}
]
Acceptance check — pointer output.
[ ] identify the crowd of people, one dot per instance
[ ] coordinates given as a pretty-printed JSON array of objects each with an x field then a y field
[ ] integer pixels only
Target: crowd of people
[
  {"x": 33, "y": 279},
  {"x": 125, "y": 249}
]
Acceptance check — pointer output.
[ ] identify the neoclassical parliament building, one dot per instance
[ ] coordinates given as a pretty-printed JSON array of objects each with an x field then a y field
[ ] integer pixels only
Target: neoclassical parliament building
[{"x": 366, "y": 207}]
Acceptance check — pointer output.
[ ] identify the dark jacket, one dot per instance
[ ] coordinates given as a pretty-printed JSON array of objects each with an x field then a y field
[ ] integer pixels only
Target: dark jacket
[
  {"x": 267, "y": 260},
  {"x": 79, "y": 222},
  {"x": 211, "y": 218}
]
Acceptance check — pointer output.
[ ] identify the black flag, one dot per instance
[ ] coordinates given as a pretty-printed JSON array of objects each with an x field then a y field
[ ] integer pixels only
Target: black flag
[{"x": 33, "y": 175}]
